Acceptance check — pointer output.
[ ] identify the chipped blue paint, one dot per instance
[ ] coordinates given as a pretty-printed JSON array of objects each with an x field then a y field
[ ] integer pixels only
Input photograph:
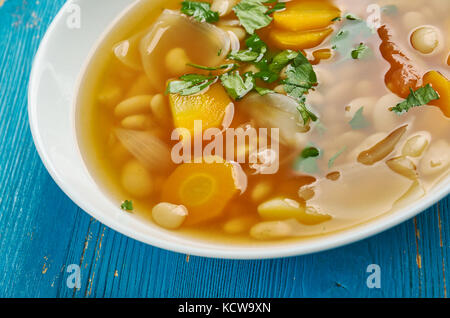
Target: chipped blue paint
[{"x": 42, "y": 232}]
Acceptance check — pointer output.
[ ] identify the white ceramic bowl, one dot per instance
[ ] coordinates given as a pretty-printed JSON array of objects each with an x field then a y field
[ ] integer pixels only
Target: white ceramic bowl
[{"x": 58, "y": 64}]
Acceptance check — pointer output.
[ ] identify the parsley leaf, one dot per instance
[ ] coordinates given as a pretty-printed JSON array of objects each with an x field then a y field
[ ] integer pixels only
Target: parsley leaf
[
  {"x": 420, "y": 97},
  {"x": 361, "y": 51},
  {"x": 300, "y": 78},
  {"x": 236, "y": 86},
  {"x": 256, "y": 48},
  {"x": 127, "y": 205},
  {"x": 190, "y": 84},
  {"x": 263, "y": 90},
  {"x": 306, "y": 114},
  {"x": 281, "y": 60},
  {"x": 300, "y": 74},
  {"x": 310, "y": 152},
  {"x": 359, "y": 121},
  {"x": 352, "y": 32},
  {"x": 252, "y": 14},
  {"x": 201, "y": 11}
]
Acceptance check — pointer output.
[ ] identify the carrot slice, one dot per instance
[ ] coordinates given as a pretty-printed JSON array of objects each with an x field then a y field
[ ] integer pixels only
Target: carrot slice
[
  {"x": 306, "y": 15},
  {"x": 299, "y": 40},
  {"x": 203, "y": 188},
  {"x": 442, "y": 86},
  {"x": 209, "y": 107}
]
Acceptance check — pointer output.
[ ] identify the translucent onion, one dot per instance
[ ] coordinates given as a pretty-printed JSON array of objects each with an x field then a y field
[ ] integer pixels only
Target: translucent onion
[
  {"x": 164, "y": 35},
  {"x": 275, "y": 111},
  {"x": 148, "y": 149}
]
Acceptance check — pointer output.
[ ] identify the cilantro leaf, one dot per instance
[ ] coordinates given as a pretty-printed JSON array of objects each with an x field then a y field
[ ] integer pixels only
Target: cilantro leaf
[
  {"x": 310, "y": 152},
  {"x": 300, "y": 73},
  {"x": 252, "y": 14},
  {"x": 263, "y": 90},
  {"x": 359, "y": 121},
  {"x": 236, "y": 86},
  {"x": 306, "y": 114},
  {"x": 190, "y": 84},
  {"x": 281, "y": 60},
  {"x": 420, "y": 97},
  {"x": 256, "y": 48},
  {"x": 353, "y": 31},
  {"x": 201, "y": 11},
  {"x": 361, "y": 51},
  {"x": 127, "y": 205}
]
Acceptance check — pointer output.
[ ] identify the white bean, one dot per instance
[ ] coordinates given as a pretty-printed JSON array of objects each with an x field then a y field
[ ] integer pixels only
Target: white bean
[
  {"x": 403, "y": 166},
  {"x": 136, "y": 180},
  {"x": 271, "y": 230},
  {"x": 176, "y": 60},
  {"x": 425, "y": 39},
  {"x": 238, "y": 225},
  {"x": 169, "y": 216},
  {"x": 367, "y": 102},
  {"x": 137, "y": 122},
  {"x": 160, "y": 108},
  {"x": 110, "y": 94},
  {"x": 133, "y": 106},
  {"x": 415, "y": 146},
  {"x": 261, "y": 191}
]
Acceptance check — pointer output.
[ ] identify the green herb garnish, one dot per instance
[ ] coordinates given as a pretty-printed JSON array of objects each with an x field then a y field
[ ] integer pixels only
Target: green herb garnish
[
  {"x": 190, "y": 84},
  {"x": 236, "y": 85},
  {"x": 361, "y": 51},
  {"x": 336, "y": 19},
  {"x": 127, "y": 205},
  {"x": 420, "y": 97},
  {"x": 252, "y": 14},
  {"x": 359, "y": 121},
  {"x": 256, "y": 48},
  {"x": 310, "y": 152},
  {"x": 201, "y": 11}
]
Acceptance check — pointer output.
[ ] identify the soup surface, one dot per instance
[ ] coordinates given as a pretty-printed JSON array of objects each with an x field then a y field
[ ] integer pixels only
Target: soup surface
[{"x": 246, "y": 121}]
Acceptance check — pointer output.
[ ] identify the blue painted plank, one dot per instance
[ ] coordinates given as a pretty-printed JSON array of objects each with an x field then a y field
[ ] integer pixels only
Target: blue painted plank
[{"x": 42, "y": 232}]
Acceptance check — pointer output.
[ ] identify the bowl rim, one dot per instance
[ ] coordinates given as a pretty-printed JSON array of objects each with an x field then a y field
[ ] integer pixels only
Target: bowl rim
[{"x": 327, "y": 242}]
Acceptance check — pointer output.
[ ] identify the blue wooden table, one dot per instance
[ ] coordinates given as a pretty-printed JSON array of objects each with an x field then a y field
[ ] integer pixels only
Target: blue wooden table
[{"x": 42, "y": 232}]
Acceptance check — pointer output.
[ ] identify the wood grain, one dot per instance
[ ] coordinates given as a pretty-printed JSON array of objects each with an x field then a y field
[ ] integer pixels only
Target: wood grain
[{"x": 42, "y": 231}]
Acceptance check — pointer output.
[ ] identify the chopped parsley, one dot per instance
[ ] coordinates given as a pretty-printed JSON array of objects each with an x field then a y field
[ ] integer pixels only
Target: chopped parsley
[
  {"x": 361, "y": 51},
  {"x": 190, "y": 84},
  {"x": 252, "y": 14},
  {"x": 353, "y": 32},
  {"x": 336, "y": 19},
  {"x": 256, "y": 48},
  {"x": 300, "y": 79},
  {"x": 310, "y": 152},
  {"x": 352, "y": 17},
  {"x": 201, "y": 11},
  {"x": 420, "y": 97},
  {"x": 236, "y": 85},
  {"x": 127, "y": 205},
  {"x": 359, "y": 121},
  {"x": 307, "y": 160}
]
